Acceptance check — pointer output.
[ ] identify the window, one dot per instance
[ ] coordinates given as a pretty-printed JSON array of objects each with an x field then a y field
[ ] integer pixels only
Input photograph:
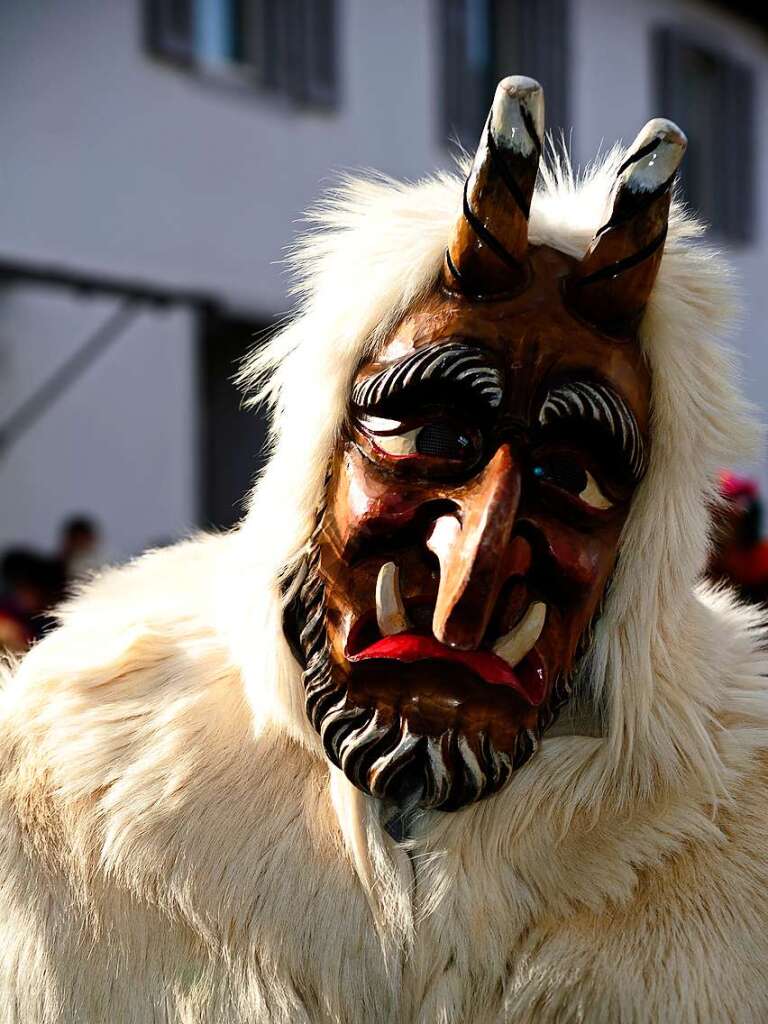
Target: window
[
  {"x": 287, "y": 47},
  {"x": 711, "y": 97},
  {"x": 485, "y": 40}
]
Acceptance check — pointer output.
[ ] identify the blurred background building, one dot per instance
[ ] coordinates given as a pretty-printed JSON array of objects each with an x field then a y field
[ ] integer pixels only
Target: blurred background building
[{"x": 156, "y": 158}]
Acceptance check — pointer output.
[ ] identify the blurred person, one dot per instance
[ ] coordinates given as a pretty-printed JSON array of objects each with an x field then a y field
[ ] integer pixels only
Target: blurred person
[
  {"x": 31, "y": 585},
  {"x": 79, "y": 547},
  {"x": 446, "y": 729},
  {"x": 19, "y": 599},
  {"x": 740, "y": 555}
]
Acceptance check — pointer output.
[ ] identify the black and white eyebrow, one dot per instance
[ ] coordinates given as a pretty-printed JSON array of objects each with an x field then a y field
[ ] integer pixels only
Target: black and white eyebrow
[
  {"x": 455, "y": 362},
  {"x": 599, "y": 404}
]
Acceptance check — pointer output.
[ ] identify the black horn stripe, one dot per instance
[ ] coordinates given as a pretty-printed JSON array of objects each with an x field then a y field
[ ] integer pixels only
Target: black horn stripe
[
  {"x": 456, "y": 274},
  {"x": 513, "y": 188},
  {"x": 622, "y": 266},
  {"x": 633, "y": 158},
  {"x": 485, "y": 235},
  {"x": 527, "y": 119},
  {"x": 631, "y": 209}
]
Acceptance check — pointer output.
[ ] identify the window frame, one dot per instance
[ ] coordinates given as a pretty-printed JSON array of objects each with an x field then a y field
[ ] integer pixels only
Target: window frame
[{"x": 295, "y": 80}]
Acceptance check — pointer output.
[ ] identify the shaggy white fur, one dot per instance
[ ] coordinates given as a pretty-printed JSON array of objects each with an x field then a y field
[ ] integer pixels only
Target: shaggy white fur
[{"x": 173, "y": 847}]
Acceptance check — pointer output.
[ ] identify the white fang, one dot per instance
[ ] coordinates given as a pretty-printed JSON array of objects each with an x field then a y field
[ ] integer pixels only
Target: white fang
[
  {"x": 390, "y": 610},
  {"x": 513, "y": 647}
]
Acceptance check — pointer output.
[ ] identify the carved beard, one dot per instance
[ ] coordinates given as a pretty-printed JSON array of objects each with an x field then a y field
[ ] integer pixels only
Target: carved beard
[{"x": 377, "y": 749}]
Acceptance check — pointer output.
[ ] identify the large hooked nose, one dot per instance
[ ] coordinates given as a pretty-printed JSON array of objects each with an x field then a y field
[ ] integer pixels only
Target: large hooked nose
[{"x": 476, "y": 553}]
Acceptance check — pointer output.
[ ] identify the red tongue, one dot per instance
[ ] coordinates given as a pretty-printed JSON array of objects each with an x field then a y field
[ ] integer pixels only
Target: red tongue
[{"x": 490, "y": 667}]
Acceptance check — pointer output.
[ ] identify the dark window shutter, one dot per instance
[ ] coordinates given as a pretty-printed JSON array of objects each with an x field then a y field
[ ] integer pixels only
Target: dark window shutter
[
  {"x": 553, "y": 63},
  {"x": 287, "y": 46},
  {"x": 711, "y": 97},
  {"x": 451, "y": 53},
  {"x": 531, "y": 38},
  {"x": 251, "y": 35},
  {"x": 301, "y": 43},
  {"x": 290, "y": 48},
  {"x": 739, "y": 184},
  {"x": 321, "y": 76},
  {"x": 169, "y": 29},
  {"x": 483, "y": 41},
  {"x": 467, "y": 69}
]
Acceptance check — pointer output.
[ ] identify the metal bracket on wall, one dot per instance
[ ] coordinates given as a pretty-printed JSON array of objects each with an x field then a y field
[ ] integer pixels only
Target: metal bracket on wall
[{"x": 134, "y": 296}]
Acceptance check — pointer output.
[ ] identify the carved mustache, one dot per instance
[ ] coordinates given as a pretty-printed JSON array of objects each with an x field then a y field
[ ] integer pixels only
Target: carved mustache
[{"x": 392, "y": 618}]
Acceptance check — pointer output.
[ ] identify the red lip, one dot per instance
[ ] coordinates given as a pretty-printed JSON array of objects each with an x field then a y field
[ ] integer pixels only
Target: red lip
[{"x": 528, "y": 680}]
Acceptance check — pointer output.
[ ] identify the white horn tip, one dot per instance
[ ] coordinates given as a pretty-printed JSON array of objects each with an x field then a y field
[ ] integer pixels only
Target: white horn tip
[
  {"x": 520, "y": 87},
  {"x": 507, "y": 122},
  {"x": 654, "y": 156},
  {"x": 664, "y": 130}
]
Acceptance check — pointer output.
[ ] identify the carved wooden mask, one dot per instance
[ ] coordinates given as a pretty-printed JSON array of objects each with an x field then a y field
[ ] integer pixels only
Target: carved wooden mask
[{"x": 476, "y": 499}]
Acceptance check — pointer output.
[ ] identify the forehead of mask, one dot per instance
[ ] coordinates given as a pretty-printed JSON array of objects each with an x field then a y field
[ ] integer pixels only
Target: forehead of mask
[{"x": 534, "y": 336}]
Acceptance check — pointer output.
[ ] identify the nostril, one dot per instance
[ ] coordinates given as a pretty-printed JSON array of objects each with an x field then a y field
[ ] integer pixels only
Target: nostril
[
  {"x": 435, "y": 509},
  {"x": 514, "y": 598},
  {"x": 518, "y": 557}
]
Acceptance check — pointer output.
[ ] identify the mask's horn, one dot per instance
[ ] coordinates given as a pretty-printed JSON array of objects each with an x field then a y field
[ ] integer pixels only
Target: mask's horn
[
  {"x": 486, "y": 255},
  {"x": 615, "y": 278}
]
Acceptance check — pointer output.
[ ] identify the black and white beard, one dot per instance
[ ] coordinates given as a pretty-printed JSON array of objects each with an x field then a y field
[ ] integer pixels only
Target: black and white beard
[{"x": 377, "y": 749}]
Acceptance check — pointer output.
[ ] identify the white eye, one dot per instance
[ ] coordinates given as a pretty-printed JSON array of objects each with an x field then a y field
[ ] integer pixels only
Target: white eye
[
  {"x": 569, "y": 475},
  {"x": 592, "y": 495},
  {"x": 398, "y": 444}
]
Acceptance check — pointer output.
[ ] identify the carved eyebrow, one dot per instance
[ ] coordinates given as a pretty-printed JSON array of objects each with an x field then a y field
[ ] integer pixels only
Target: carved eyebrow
[
  {"x": 601, "y": 405},
  {"x": 453, "y": 363}
]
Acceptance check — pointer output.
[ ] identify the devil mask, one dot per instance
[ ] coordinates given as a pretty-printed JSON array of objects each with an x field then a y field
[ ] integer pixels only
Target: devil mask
[{"x": 477, "y": 495}]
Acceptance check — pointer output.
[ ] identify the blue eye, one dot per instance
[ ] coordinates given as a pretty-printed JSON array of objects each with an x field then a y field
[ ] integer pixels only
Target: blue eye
[{"x": 442, "y": 440}]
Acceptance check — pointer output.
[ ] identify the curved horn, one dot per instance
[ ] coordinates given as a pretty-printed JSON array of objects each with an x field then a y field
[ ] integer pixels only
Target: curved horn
[
  {"x": 487, "y": 252},
  {"x": 615, "y": 278}
]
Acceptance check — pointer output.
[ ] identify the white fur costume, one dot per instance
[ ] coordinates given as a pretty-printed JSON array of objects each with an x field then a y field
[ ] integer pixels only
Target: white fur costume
[{"x": 173, "y": 847}]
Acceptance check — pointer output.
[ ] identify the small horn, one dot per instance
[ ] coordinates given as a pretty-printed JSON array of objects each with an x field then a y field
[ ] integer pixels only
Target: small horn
[
  {"x": 615, "y": 278},
  {"x": 487, "y": 253}
]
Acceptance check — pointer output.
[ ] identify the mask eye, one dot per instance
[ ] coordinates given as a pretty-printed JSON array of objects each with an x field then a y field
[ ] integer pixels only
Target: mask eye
[
  {"x": 440, "y": 440},
  {"x": 569, "y": 475}
]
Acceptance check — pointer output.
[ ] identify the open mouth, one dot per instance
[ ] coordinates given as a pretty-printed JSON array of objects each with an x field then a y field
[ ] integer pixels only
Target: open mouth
[{"x": 514, "y": 661}]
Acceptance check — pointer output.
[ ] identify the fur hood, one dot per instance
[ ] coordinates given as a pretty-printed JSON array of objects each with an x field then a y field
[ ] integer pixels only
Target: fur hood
[{"x": 650, "y": 677}]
